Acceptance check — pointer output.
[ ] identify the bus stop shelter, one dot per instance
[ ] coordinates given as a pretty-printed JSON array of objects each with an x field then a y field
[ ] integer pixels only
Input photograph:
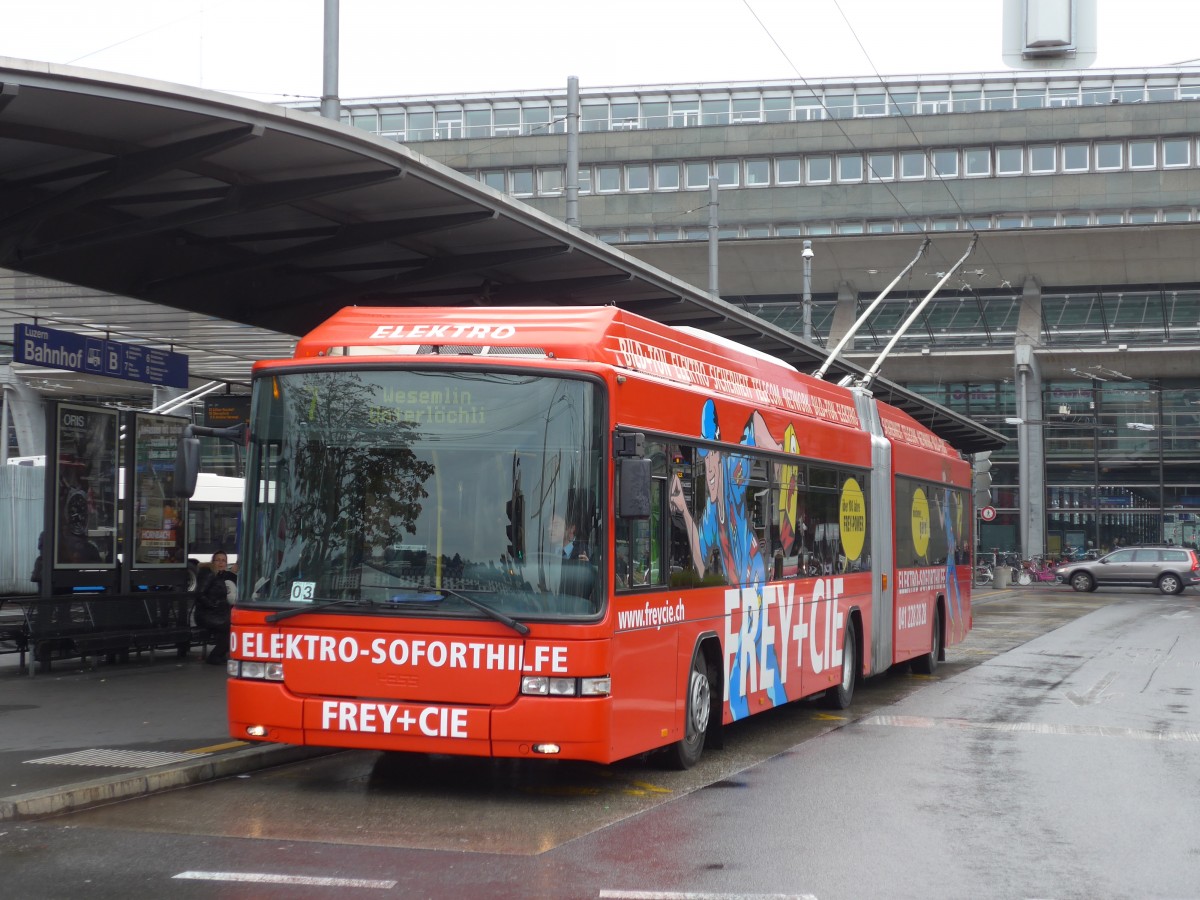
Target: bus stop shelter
[{"x": 233, "y": 211}]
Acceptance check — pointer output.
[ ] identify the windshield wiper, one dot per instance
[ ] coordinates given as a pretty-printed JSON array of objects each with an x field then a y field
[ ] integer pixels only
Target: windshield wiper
[
  {"x": 519, "y": 627},
  {"x": 317, "y": 607}
]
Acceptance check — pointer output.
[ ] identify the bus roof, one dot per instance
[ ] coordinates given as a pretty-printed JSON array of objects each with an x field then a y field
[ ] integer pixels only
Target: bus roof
[{"x": 594, "y": 334}]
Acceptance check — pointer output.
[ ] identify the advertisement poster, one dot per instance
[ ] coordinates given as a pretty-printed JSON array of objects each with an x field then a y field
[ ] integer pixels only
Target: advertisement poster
[
  {"x": 160, "y": 520},
  {"x": 85, "y": 496}
]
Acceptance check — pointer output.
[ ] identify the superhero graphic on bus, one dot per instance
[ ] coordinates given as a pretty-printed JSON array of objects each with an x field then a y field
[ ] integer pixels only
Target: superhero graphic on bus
[
  {"x": 724, "y": 536},
  {"x": 954, "y": 610}
]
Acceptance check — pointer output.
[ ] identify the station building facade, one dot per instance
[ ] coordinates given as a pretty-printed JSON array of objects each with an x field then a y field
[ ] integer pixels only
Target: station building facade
[{"x": 1074, "y": 325}]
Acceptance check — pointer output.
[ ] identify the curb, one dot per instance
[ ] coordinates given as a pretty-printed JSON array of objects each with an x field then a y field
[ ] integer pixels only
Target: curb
[{"x": 99, "y": 791}]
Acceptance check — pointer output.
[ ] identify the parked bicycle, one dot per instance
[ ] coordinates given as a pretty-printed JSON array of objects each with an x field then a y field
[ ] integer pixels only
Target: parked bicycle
[{"x": 1037, "y": 569}]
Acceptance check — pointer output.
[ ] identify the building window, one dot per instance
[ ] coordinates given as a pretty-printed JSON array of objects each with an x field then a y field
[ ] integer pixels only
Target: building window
[
  {"x": 697, "y": 175},
  {"x": 728, "y": 173},
  {"x": 666, "y": 176},
  {"x": 1009, "y": 160},
  {"x": 758, "y": 172},
  {"x": 1075, "y": 157},
  {"x": 522, "y": 182},
  {"x": 850, "y": 228},
  {"x": 912, "y": 165},
  {"x": 1176, "y": 152},
  {"x": 747, "y": 110},
  {"x": 714, "y": 112},
  {"x": 850, "y": 167},
  {"x": 1177, "y": 215},
  {"x": 655, "y": 114},
  {"x": 637, "y": 236},
  {"x": 550, "y": 181},
  {"x": 367, "y": 120},
  {"x": 1043, "y": 221},
  {"x": 695, "y": 234},
  {"x": 1108, "y": 156},
  {"x": 978, "y": 161},
  {"x": 450, "y": 125},
  {"x": 1142, "y": 154},
  {"x": 392, "y": 125},
  {"x": 787, "y": 170},
  {"x": 685, "y": 113},
  {"x": 666, "y": 234},
  {"x": 507, "y": 121},
  {"x": 788, "y": 231},
  {"x": 777, "y": 109},
  {"x": 624, "y": 116},
  {"x": 819, "y": 169},
  {"x": 479, "y": 123},
  {"x": 585, "y": 180},
  {"x": 1042, "y": 159},
  {"x": 420, "y": 126},
  {"x": 1076, "y": 220},
  {"x": 945, "y": 163},
  {"x": 881, "y": 166},
  {"x": 758, "y": 231},
  {"x": 608, "y": 179},
  {"x": 1143, "y": 217},
  {"x": 1007, "y": 222},
  {"x": 944, "y": 225},
  {"x": 820, "y": 228},
  {"x": 1110, "y": 218},
  {"x": 881, "y": 227},
  {"x": 535, "y": 119},
  {"x": 495, "y": 180},
  {"x": 637, "y": 177}
]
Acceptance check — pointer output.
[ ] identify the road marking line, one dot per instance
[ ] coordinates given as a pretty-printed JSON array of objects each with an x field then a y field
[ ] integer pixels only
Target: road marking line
[
  {"x": 268, "y": 878},
  {"x": 1034, "y": 728},
  {"x": 692, "y": 895},
  {"x": 228, "y": 745}
]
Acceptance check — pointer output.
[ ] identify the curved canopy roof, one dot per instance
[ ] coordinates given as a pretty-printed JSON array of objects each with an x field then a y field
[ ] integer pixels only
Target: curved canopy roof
[{"x": 275, "y": 218}]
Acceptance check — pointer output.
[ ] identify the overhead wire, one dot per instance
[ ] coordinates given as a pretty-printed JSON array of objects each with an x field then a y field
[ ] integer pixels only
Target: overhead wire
[{"x": 849, "y": 140}]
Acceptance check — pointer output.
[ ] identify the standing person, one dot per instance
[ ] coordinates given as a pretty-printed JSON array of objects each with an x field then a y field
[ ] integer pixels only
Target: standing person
[{"x": 213, "y": 597}]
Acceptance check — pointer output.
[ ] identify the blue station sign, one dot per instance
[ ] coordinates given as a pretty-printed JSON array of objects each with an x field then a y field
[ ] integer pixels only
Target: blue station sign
[{"x": 38, "y": 346}]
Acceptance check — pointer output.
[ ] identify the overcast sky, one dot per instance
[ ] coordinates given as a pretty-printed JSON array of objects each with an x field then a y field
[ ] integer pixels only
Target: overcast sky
[{"x": 271, "y": 49}]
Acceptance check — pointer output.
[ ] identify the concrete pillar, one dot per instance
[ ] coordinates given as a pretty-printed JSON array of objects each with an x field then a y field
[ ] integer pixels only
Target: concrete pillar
[
  {"x": 1031, "y": 447},
  {"x": 845, "y": 314},
  {"x": 26, "y": 414}
]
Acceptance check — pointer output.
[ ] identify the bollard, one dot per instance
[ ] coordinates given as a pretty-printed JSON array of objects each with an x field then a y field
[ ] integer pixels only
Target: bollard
[{"x": 1002, "y": 578}]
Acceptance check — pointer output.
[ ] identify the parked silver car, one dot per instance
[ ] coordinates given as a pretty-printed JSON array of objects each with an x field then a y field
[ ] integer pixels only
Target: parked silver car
[{"x": 1170, "y": 569}]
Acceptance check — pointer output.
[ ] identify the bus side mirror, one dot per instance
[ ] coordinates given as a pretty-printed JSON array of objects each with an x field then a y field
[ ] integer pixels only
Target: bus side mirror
[
  {"x": 633, "y": 499},
  {"x": 187, "y": 466}
]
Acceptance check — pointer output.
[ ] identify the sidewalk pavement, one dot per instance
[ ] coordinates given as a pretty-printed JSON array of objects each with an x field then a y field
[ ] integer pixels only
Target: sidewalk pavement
[{"x": 85, "y": 734}]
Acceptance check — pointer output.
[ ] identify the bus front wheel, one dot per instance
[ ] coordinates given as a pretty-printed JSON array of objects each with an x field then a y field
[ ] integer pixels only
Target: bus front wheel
[{"x": 697, "y": 716}]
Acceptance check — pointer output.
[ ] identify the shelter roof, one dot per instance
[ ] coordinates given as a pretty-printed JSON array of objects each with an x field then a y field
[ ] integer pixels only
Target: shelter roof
[{"x": 270, "y": 218}]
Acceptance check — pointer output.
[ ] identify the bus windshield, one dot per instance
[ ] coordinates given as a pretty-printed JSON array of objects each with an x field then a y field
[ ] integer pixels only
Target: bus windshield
[{"x": 425, "y": 493}]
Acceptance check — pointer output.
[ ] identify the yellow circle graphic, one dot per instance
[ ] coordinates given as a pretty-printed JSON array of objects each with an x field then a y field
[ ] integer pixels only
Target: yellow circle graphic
[
  {"x": 853, "y": 519},
  {"x": 920, "y": 522}
]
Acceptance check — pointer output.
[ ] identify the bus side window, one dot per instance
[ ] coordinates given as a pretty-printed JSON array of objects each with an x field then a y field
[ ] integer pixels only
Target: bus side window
[{"x": 639, "y": 554}]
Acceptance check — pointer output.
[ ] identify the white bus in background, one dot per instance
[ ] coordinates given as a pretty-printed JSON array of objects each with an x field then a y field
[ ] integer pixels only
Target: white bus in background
[{"x": 214, "y": 517}]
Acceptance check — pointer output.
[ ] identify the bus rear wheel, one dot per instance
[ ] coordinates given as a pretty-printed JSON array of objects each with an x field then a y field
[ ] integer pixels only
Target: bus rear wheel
[
  {"x": 697, "y": 716},
  {"x": 839, "y": 697},
  {"x": 927, "y": 663}
]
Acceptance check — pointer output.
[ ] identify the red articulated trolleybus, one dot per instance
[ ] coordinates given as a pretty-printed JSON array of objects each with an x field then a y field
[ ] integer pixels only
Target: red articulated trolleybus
[{"x": 575, "y": 533}]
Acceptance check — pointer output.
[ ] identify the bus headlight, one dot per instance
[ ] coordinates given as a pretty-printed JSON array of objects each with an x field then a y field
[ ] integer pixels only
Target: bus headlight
[
  {"x": 545, "y": 686},
  {"x": 262, "y": 671}
]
